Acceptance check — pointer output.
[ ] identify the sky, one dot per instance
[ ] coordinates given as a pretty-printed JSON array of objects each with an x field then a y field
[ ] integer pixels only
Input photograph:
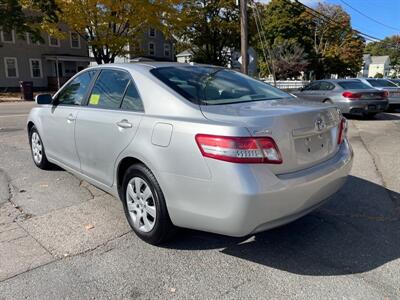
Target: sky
[{"x": 386, "y": 12}]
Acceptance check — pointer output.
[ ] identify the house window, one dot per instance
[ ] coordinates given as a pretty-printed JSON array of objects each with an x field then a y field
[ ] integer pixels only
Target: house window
[
  {"x": 69, "y": 68},
  {"x": 167, "y": 50},
  {"x": 75, "y": 40},
  {"x": 54, "y": 42},
  {"x": 7, "y": 36},
  {"x": 36, "y": 67},
  {"x": 11, "y": 67},
  {"x": 152, "y": 49},
  {"x": 152, "y": 32},
  {"x": 30, "y": 40}
]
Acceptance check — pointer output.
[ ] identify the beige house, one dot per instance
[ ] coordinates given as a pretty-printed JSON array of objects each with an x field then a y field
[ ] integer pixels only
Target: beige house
[
  {"x": 46, "y": 64},
  {"x": 151, "y": 45}
]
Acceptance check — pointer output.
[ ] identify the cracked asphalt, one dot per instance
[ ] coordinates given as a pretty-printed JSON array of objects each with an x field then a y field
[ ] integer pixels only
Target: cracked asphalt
[{"x": 63, "y": 238}]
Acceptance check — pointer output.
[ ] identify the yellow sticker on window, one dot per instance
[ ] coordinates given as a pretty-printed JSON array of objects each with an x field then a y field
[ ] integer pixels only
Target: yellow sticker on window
[{"x": 94, "y": 99}]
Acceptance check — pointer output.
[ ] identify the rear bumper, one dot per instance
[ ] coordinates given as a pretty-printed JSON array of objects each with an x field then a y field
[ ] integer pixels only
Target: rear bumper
[
  {"x": 245, "y": 199},
  {"x": 363, "y": 106},
  {"x": 394, "y": 100}
]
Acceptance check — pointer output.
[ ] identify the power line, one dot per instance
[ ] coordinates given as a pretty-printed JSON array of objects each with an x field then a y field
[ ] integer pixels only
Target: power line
[
  {"x": 326, "y": 18},
  {"x": 368, "y": 17}
]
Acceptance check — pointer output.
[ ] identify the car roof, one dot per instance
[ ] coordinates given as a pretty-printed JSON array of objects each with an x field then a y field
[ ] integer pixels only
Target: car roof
[
  {"x": 337, "y": 80},
  {"x": 148, "y": 65}
]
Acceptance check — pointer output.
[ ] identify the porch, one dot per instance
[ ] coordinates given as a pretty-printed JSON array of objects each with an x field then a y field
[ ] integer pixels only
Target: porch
[{"x": 60, "y": 68}]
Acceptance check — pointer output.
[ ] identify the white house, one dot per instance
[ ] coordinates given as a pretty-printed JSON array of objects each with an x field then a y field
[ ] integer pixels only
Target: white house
[
  {"x": 365, "y": 68},
  {"x": 184, "y": 56},
  {"x": 379, "y": 64}
]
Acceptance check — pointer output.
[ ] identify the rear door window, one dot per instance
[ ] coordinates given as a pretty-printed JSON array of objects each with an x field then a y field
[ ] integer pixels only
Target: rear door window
[
  {"x": 109, "y": 89},
  {"x": 381, "y": 83},
  {"x": 353, "y": 85},
  {"x": 132, "y": 99}
]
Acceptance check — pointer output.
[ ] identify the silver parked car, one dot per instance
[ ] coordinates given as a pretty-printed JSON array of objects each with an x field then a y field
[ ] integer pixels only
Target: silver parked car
[
  {"x": 351, "y": 96},
  {"x": 396, "y": 81},
  {"x": 385, "y": 85},
  {"x": 198, "y": 147}
]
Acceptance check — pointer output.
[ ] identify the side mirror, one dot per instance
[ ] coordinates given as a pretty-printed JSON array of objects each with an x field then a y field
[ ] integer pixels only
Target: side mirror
[{"x": 42, "y": 99}]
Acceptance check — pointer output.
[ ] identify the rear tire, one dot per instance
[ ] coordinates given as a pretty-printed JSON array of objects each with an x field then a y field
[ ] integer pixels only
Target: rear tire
[
  {"x": 393, "y": 107},
  {"x": 327, "y": 101},
  {"x": 144, "y": 205},
  {"x": 38, "y": 151}
]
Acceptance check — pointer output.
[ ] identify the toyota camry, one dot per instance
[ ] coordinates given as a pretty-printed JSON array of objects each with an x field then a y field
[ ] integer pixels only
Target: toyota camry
[{"x": 192, "y": 146}]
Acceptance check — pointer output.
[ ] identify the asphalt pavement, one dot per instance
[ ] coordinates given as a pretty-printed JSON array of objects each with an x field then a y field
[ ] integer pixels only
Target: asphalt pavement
[{"x": 63, "y": 238}]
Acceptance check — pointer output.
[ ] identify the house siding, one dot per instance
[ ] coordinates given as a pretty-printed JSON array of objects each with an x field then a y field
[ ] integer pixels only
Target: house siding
[
  {"x": 159, "y": 42},
  {"x": 23, "y": 51}
]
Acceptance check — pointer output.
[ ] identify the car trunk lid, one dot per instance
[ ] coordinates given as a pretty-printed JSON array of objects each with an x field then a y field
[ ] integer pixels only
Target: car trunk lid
[
  {"x": 371, "y": 94},
  {"x": 306, "y": 133}
]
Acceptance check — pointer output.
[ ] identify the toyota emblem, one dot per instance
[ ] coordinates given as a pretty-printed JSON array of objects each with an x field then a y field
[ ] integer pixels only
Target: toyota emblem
[{"x": 320, "y": 124}]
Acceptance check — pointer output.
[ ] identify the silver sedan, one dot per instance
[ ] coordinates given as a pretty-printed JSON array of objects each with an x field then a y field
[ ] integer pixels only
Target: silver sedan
[
  {"x": 351, "y": 96},
  {"x": 392, "y": 90},
  {"x": 199, "y": 147}
]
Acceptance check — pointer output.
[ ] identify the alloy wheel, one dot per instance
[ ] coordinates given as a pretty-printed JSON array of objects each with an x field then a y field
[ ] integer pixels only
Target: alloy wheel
[
  {"x": 37, "y": 147},
  {"x": 141, "y": 205}
]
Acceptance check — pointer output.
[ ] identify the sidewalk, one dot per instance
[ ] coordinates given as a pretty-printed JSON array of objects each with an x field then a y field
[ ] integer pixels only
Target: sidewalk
[{"x": 10, "y": 97}]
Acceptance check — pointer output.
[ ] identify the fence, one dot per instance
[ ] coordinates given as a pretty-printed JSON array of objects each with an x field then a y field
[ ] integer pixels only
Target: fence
[{"x": 288, "y": 84}]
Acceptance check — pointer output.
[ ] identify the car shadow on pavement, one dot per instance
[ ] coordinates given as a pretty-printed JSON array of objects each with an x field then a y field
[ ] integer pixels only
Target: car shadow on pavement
[
  {"x": 378, "y": 117},
  {"x": 357, "y": 231}
]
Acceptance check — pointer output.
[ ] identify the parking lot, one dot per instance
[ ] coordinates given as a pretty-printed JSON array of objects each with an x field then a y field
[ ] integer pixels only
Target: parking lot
[{"x": 63, "y": 238}]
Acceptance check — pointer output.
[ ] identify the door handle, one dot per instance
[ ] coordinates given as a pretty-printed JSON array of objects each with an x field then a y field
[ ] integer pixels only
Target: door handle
[
  {"x": 124, "y": 124},
  {"x": 70, "y": 118}
]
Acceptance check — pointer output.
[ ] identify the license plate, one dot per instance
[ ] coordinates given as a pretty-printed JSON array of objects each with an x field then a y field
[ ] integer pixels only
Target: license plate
[
  {"x": 371, "y": 107},
  {"x": 395, "y": 94}
]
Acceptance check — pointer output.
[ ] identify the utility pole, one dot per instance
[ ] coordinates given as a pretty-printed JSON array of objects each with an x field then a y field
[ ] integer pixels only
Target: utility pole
[{"x": 244, "y": 37}]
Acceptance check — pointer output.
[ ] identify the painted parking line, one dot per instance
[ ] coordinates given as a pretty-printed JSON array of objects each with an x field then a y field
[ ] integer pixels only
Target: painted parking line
[{"x": 9, "y": 116}]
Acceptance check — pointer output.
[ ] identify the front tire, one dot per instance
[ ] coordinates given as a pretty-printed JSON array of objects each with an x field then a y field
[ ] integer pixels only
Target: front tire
[
  {"x": 144, "y": 205},
  {"x": 37, "y": 150}
]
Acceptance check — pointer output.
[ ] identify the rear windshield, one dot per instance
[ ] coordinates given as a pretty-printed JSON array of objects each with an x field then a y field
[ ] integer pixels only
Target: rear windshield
[
  {"x": 381, "y": 83},
  {"x": 353, "y": 85},
  {"x": 213, "y": 85}
]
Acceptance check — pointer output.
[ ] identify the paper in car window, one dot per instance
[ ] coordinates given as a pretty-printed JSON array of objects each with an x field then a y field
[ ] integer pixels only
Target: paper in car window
[{"x": 94, "y": 99}]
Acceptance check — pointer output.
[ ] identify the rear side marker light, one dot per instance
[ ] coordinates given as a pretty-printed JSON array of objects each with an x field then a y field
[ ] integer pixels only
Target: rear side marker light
[
  {"x": 342, "y": 131},
  {"x": 239, "y": 149}
]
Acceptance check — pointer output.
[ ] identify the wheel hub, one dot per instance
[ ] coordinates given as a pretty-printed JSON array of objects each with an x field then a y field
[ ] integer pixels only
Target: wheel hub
[{"x": 140, "y": 204}]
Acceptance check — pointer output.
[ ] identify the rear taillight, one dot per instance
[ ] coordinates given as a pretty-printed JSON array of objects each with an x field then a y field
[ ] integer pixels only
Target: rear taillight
[
  {"x": 342, "y": 130},
  {"x": 239, "y": 149},
  {"x": 351, "y": 96},
  {"x": 385, "y": 94}
]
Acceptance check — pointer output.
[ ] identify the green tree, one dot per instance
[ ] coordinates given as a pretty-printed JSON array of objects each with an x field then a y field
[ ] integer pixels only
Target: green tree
[
  {"x": 283, "y": 40},
  {"x": 330, "y": 45},
  {"x": 109, "y": 26},
  {"x": 378, "y": 75},
  {"x": 283, "y": 20},
  {"x": 27, "y": 16},
  {"x": 337, "y": 48},
  {"x": 211, "y": 27}
]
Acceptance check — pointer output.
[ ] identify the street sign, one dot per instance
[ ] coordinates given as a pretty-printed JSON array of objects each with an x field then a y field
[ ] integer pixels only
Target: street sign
[{"x": 251, "y": 59}]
